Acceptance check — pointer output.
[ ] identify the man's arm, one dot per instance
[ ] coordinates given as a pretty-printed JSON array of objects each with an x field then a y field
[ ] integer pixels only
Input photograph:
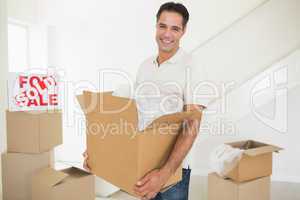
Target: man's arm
[
  {"x": 184, "y": 141},
  {"x": 153, "y": 182}
]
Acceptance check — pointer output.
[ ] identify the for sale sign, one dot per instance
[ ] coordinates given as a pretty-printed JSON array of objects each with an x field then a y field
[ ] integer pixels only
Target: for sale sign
[{"x": 33, "y": 92}]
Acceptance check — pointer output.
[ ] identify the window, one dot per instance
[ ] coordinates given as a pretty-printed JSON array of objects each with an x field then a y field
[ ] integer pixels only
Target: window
[{"x": 18, "y": 47}]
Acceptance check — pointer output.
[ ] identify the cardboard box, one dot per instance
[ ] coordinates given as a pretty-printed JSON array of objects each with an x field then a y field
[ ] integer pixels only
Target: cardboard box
[
  {"x": 71, "y": 183},
  {"x": 256, "y": 160},
  {"x": 225, "y": 189},
  {"x": 118, "y": 151},
  {"x": 34, "y": 131},
  {"x": 17, "y": 171}
]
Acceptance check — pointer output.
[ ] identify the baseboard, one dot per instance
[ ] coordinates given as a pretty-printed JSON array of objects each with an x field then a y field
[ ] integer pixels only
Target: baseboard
[{"x": 290, "y": 179}]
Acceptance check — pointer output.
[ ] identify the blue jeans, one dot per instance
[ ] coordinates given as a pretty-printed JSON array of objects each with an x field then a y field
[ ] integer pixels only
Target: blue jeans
[{"x": 179, "y": 191}]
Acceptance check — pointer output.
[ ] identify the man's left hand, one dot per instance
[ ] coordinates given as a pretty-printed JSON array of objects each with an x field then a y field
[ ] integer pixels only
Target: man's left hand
[{"x": 148, "y": 187}]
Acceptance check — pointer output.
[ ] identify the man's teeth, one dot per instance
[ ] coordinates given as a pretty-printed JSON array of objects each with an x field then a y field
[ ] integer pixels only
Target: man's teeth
[{"x": 167, "y": 41}]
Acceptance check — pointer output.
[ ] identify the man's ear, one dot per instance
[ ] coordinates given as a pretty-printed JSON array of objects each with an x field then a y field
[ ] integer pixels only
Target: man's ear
[{"x": 184, "y": 30}]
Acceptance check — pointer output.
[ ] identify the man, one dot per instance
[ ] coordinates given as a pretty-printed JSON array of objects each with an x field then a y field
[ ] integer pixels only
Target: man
[
  {"x": 165, "y": 83},
  {"x": 170, "y": 76}
]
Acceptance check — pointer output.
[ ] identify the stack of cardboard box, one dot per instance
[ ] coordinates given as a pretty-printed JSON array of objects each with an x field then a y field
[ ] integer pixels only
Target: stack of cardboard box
[
  {"x": 27, "y": 166},
  {"x": 250, "y": 179}
]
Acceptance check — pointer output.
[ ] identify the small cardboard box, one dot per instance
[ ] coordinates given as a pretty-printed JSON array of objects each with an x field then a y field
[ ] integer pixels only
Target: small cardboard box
[
  {"x": 71, "y": 183},
  {"x": 256, "y": 160},
  {"x": 118, "y": 151},
  {"x": 17, "y": 171},
  {"x": 226, "y": 189},
  {"x": 34, "y": 131}
]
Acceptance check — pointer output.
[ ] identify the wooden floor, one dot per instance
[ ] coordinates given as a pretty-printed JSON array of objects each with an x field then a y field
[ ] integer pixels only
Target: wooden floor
[{"x": 198, "y": 191}]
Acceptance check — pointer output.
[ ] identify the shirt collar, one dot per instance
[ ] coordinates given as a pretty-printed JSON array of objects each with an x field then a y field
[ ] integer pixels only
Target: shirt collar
[{"x": 174, "y": 59}]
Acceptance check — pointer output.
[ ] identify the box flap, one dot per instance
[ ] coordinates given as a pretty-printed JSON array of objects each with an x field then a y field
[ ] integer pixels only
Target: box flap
[
  {"x": 262, "y": 150},
  {"x": 105, "y": 101},
  {"x": 79, "y": 167},
  {"x": 104, "y": 108},
  {"x": 51, "y": 177},
  {"x": 80, "y": 99},
  {"x": 88, "y": 100},
  {"x": 75, "y": 172},
  {"x": 174, "y": 118},
  {"x": 254, "y": 148},
  {"x": 244, "y": 144}
]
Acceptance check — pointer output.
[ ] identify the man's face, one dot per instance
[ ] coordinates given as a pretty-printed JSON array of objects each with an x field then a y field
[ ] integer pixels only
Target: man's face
[{"x": 169, "y": 30}]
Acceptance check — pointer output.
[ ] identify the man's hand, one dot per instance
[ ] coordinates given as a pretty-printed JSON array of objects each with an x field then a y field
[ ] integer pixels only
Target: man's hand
[
  {"x": 85, "y": 163},
  {"x": 148, "y": 187}
]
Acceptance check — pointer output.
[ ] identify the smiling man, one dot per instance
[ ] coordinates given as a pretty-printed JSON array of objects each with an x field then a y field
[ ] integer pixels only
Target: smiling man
[{"x": 166, "y": 82}]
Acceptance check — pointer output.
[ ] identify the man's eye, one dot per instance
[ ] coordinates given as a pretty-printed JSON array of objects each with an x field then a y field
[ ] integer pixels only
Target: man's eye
[{"x": 176, "y": 29}]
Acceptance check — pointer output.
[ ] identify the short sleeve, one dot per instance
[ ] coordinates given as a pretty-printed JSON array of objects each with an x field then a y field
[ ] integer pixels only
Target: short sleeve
[{"x": 198, "y": 90}]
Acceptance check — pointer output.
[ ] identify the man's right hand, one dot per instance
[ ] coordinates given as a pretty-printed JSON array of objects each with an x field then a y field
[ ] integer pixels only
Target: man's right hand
[{"x": 85, "y": 163}]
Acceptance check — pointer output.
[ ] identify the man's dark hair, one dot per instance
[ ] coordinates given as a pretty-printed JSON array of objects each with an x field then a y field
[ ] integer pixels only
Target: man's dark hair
[{"x": 175, "y": 7}]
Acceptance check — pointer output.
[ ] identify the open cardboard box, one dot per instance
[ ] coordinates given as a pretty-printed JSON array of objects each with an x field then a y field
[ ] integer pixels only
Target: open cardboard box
[
  {"x": 71, "y": 183},
  {"x": 118, "y": 151},
  {"x": 256, "y": 160}
]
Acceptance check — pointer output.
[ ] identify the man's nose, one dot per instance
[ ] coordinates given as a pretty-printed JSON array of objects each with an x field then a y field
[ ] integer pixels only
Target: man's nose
[{"x": 167, "y": 33}]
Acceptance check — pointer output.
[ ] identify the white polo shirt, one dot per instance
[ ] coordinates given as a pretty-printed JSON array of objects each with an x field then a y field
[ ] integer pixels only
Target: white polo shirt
[{"x": 167, "y": 88}]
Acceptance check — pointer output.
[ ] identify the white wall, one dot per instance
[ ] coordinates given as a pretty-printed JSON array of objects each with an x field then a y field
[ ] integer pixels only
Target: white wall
[
  {"x": 3, "y": 72},
  {"x": 248, "y": 54},
  {"x": 271, "y": 117},
  {"x": 26, "y": 10},
  {"x": 253, "y": 44},
  {"x": 210, "y": 18},
  {"x": 3, "y": 75}
]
